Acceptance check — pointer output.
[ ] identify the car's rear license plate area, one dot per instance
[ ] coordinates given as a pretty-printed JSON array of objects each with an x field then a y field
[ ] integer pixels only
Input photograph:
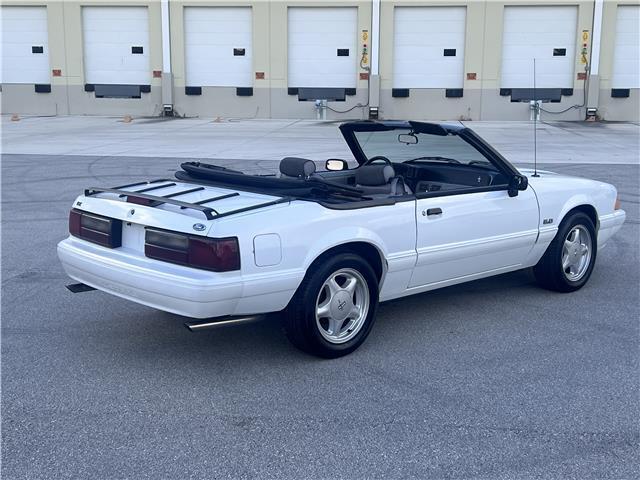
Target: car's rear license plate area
[{"x": 133, "y": 237}]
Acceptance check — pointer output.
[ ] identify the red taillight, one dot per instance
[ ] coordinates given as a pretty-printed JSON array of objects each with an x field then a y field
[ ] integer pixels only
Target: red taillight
[
  {"x": 94, "y": 228},
  {"x": 218, "y": 254},
  {"x": 215, "y": 254},
  {"x": 74, "y": 222}
]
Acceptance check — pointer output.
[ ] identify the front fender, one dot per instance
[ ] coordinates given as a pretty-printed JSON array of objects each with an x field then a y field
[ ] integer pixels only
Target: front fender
[
  {"x": 558, "y": 195},
  {"x": 577, "y": 200}
]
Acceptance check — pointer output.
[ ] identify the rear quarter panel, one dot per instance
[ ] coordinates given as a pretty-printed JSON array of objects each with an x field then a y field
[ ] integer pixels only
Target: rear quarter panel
[{"x": 306, "y": 230}]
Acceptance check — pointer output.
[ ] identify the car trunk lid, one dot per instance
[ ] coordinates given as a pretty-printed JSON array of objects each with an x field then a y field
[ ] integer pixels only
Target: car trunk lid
[{"x": 170, "y": 205}]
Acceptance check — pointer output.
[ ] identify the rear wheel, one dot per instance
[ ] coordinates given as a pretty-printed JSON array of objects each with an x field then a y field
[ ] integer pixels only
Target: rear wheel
[
  {"x": 568, "y": 262},
  {"x": 334, "y": 308}
]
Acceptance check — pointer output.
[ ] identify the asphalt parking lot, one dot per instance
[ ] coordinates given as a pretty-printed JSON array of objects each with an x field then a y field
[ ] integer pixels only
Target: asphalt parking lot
[{"x": 492, "y": 379}]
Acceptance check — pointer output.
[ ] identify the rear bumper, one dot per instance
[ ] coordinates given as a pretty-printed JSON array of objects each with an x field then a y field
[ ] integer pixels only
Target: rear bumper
[
  {"x": 173, "y": 288},
  {"x": 609, "y": 225}
]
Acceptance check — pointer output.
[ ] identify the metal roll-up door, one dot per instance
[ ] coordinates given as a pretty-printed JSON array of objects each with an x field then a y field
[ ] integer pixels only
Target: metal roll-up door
[
  {"x": 322, "y": 50},
  {"x": 428, "y": 50},
  {"x": 626, "y": 63},
  {"x": 218, "y": 46},
  {"x": 546, "y": 33},
  {"x": 25, "y": 45},
  {"x": 116, "y": 45}
]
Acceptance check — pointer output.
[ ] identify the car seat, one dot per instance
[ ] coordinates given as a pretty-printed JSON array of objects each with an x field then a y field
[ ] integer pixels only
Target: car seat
[{"x": 380, "y": 180}]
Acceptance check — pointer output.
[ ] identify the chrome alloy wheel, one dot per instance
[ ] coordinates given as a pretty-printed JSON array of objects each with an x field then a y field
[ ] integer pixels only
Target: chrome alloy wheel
[
  {"x": 576, "y": 253},
  {"x": 342, "y": 306}
]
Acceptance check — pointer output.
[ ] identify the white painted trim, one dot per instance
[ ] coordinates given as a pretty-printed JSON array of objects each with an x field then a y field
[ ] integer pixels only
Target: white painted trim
[
  {"x": 166, "y": 36},
  {"x": 375, "y": 36},
  {"x": 454, "y": 281},
  {"x": 477, "y": 242},
  {"x": 596, "y": 36}
]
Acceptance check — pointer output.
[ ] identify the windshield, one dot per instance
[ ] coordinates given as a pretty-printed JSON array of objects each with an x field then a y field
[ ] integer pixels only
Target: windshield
[{"x": 402, "y": 145}]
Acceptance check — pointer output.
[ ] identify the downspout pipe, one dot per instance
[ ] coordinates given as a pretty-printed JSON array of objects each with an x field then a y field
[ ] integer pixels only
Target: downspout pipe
[
  {"x": 375, "y": 36},
  {"x": 593, "y": 95},
  {"x": 167, "y": 76},
  {"x": 374, "y": 74},
  {"x": 597, "y": 35}
]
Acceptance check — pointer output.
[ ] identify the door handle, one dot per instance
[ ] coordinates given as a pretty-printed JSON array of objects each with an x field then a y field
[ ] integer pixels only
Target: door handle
[{"x": 432, "y": 211}]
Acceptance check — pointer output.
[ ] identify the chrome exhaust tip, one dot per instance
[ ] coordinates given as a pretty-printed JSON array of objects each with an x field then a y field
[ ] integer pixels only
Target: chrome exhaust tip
[{"x": 208, "y": 324}]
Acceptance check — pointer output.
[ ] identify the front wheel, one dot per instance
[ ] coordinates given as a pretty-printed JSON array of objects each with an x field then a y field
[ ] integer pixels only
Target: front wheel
[
  {"x": 334, "y": 308},
  {"x": 568, "y": 262}
]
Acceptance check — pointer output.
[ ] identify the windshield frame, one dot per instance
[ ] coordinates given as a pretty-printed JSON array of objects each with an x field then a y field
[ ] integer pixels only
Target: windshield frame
[{"x": 469, "y": 136}]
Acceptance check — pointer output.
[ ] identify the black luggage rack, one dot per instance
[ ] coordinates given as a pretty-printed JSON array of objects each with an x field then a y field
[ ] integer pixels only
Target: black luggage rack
[{"x": 154, "y": 201}]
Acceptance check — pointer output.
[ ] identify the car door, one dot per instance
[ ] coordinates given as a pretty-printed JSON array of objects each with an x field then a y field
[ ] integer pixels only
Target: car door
[{"x": 467, "y": 234}]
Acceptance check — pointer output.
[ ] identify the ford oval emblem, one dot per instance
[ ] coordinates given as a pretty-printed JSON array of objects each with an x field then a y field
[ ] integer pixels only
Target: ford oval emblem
[{"x": 199, "y": 227}]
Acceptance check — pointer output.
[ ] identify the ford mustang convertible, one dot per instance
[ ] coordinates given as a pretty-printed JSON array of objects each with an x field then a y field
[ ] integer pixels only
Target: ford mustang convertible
[{"x": 429, "y": 205}]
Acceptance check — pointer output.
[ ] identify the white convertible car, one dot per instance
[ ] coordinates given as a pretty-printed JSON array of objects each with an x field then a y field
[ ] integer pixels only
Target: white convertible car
[{"x": 429, "y": 205}]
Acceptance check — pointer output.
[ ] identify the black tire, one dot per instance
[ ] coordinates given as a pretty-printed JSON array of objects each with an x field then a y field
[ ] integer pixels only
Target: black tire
[
  {"x": 549, "y": 272},
  {"x": 299, "y": 318}
]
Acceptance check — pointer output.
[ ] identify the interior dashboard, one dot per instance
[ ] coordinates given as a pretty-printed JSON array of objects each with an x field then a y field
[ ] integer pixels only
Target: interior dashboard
[{"x": 433, "y": 177}]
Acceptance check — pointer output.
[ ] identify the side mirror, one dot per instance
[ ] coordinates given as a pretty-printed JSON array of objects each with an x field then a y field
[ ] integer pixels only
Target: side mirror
[
  {"x": 336, "y": 164},
  {"x": 516, "y": 184},
  {"x": 523, "y": 182}
]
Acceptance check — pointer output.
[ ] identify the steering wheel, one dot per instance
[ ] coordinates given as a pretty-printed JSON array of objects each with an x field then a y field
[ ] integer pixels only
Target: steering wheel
[{"x": 378, "y": 157}]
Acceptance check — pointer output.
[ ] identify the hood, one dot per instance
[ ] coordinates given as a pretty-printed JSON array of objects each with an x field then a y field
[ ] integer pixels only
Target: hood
[{"x": 530, "y": 171}]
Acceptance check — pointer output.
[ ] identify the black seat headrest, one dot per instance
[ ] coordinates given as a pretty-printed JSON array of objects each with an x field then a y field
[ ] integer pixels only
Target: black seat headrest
[
  {"x": 374, "y": 175},
  {"x": 297, "y": 167}
]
